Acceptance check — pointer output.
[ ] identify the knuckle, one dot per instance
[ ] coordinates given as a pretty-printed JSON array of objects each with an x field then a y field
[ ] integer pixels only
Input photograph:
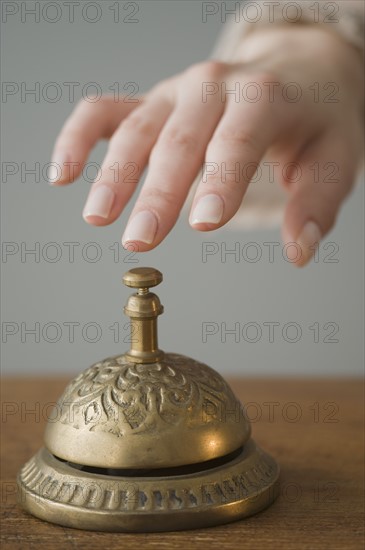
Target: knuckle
[
  {"x": 86, "y": 106},
  {"x": 161, "y": 197},
  {"x": 210, "y": 70},
  {"x": 164, "y": 87},
  {"x": 83, "y": 104},
  {"x": 106, "y": 102},
  {"x": 138, "y": 124},
  {"x": 96, "y": 108},
  {"x": 177, "y": 137},
  {"x": 265, "y": 78},
  {"x": 267, "y": 84},
  {"x": 237, "y": 137}
]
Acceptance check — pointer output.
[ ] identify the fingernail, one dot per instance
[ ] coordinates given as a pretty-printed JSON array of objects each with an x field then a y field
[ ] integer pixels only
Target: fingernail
[
  {"x": 99, "y": 203},
  {"x": 56, "y": 169},
  {"x": 308, "y": 241},
  {"x": 142, "y": 227},
  {"x": 209, "y": 209}
]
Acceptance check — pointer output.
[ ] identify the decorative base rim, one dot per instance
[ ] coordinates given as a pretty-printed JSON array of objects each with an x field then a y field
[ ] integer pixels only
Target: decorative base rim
[{"x": 55, "y": 491}]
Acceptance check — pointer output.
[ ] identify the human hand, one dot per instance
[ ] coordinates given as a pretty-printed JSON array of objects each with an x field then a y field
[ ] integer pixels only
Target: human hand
[{"x": 175, "y": 130}]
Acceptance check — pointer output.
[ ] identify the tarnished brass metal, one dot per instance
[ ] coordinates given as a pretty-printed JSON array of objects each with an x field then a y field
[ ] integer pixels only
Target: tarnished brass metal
[
  {"x": 143, "y": 309},
  {"x": 147, "y": 441}
]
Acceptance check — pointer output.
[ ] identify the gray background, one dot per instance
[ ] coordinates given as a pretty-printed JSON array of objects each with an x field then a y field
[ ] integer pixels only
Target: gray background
[{"x": 168, "y": 37}]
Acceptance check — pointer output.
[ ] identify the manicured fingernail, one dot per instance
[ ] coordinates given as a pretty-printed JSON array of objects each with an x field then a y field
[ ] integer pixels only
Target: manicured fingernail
[
  {"x": 308, "y": 241},
  {"x": 142, "y": 227},
  {"x": 99, "y": 203},
  {"x": 56, "y": 170},
  {"x": 209, "y": 209}
]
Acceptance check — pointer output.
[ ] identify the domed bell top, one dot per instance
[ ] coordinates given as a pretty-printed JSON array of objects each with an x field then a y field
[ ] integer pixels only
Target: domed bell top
[{"x": 146, "y": 409}]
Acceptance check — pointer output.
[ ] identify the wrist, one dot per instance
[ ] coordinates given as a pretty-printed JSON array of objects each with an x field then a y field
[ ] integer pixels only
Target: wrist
[
  {"x": 344, "y": 19},
  {"x": 295, "y": 47}
]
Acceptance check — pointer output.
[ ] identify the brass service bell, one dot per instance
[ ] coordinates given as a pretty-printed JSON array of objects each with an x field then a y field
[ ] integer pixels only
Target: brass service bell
[{"x": 147, "y": 441}]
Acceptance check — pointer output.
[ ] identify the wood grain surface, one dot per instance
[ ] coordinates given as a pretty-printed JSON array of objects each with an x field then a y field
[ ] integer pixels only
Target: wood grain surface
[{"x": 314, "y": 428}]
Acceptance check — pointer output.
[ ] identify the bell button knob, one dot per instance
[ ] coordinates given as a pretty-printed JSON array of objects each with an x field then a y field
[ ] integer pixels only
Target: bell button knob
[{"x": 143, "y": 308}]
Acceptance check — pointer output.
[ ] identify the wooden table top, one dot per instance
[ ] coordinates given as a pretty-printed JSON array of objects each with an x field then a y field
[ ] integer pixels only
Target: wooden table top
[{"x": 313, "y": 427}]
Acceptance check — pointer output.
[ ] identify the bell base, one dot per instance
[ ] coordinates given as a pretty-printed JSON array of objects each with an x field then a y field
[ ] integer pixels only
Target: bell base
[{"x": 58, "y": 492}]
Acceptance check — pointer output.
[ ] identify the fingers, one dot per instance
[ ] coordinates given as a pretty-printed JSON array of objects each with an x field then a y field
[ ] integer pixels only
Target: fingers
[
  {"x": 327, "y": 171},
  {"x": 238, "y": 144},
  {"x": 174, "y": 163},
  {"x": 88, "y": 123},
  {"x": 127, "y": 156}
]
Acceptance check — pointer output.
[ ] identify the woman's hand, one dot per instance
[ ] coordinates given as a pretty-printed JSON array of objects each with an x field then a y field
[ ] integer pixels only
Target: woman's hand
[{"x": 192, "y": 118}]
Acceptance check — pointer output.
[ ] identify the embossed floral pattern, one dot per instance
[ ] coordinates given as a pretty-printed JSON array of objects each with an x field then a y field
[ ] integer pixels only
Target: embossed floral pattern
[{"x": 121, "y": 397}]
